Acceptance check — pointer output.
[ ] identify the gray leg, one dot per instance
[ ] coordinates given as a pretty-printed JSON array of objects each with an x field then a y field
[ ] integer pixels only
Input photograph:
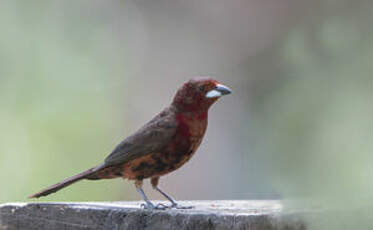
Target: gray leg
[
  {"x": 148, "y": 204},
  {"x": 154, "y": 182},
  {"x": 166, "y": 196}
]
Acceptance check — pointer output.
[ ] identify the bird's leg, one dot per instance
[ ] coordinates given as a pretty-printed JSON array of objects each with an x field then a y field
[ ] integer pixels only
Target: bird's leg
[
  {"x": 154, "y": 181},
  {"x": 148, "y": 205}
]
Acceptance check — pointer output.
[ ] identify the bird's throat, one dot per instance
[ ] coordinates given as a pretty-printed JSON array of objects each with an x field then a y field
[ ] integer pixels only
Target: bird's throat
[{"x": 191, "y": 129}]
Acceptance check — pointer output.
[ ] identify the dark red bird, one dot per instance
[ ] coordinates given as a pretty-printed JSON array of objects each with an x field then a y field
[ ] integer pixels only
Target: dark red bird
[{"x": 162, "y": 145}]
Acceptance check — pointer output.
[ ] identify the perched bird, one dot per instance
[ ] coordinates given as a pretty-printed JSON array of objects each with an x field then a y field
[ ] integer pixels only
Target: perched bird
[{"x": 162, "y": 145}]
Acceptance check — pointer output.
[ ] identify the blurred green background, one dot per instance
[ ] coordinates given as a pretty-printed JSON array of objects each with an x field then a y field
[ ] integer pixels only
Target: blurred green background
[{"x": 76, "y": 77}]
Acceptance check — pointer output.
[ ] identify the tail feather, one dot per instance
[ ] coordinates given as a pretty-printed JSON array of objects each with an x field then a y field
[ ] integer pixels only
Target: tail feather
[{"x": 54, "y": 188}]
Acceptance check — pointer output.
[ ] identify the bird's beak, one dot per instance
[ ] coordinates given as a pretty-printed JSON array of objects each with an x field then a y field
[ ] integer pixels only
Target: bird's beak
[{"x": 220, "y": 90}]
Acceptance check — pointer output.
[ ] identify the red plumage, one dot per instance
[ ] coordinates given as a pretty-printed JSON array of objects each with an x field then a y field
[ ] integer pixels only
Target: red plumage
[{"x": 162, "y": 145}]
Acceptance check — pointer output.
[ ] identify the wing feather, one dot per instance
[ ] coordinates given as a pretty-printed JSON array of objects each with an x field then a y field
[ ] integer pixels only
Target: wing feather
[{"x": 151, "y": 138}]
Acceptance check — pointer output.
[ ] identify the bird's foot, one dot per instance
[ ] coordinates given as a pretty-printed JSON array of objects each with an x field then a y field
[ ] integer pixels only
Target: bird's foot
[
  {"x": 161, "y": 206},
  {"x": 147, "y": 206},
  {"x": 178, "y": 206},
  {"x": 151, "y": 206}
]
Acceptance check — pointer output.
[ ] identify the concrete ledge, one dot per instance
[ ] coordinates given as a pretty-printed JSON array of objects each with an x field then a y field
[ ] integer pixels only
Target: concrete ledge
[{"x": 253, "y": 215}]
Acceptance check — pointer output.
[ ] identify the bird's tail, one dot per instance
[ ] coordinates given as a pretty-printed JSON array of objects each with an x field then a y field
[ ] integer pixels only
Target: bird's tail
[{"x": 66, "y": 182}]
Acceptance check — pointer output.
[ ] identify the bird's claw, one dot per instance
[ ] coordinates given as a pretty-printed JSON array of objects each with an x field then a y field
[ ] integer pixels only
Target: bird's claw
[
  {"x": 147, "y": 206},
  {"x": 150, "y": 206},
  {"x": 161, "y": 206},
  {"x": 177, "y": 206}
]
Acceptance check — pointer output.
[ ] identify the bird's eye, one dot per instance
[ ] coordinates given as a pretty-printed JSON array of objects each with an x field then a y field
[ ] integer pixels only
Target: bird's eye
[{"x": 203, "y": 88}]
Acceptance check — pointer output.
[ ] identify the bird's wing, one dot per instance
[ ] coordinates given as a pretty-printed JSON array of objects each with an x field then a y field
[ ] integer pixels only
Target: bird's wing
[{"x": 151, "y": 138}]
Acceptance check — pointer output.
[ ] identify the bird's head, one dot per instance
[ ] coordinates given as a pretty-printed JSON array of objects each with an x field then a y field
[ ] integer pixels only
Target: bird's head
[{"x": 198, "y": 94}]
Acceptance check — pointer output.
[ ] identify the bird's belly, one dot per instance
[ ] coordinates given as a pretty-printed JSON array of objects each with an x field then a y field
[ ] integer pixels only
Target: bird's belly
[{"x": 154, "y": 165}]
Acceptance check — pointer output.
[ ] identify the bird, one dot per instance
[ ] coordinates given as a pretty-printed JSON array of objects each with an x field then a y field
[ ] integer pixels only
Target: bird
[{"x": 161, "y": 146}]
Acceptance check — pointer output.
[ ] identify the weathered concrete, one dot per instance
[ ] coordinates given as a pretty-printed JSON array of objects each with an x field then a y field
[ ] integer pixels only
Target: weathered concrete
[{"x": 253, "y": 215}]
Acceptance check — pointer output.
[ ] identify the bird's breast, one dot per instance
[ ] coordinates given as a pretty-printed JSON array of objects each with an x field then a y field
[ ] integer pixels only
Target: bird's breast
[{"x": 188, "y": 136}]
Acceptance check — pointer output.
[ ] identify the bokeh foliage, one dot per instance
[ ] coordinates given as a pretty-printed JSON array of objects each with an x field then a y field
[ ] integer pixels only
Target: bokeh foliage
[{"x": 59, "y": 96}]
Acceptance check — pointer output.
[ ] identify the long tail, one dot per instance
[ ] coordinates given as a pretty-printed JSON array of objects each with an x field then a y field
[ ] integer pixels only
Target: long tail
[{"x": 66, "y": 182}]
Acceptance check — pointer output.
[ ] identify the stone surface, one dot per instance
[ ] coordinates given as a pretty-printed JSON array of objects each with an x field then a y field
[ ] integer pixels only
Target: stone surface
[{"x": 253, "y": 215}]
